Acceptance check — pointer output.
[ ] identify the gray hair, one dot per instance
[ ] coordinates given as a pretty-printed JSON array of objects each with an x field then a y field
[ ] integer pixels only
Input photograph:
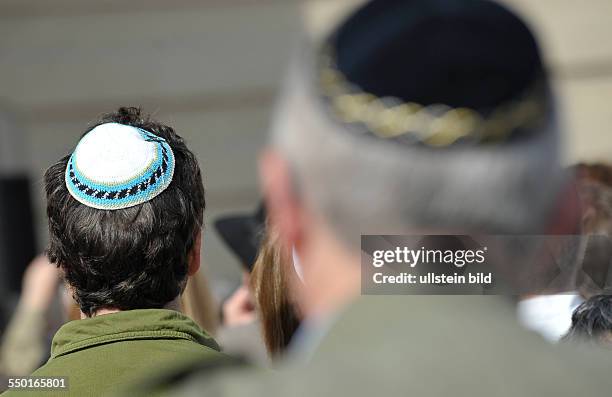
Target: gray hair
[{"x": 364, "y": 185}]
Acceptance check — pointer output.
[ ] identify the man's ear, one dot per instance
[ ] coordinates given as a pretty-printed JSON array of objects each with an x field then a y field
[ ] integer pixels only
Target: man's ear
[
  {"x": 282, "y": 202},
  {"x": 195, "y": 255}
]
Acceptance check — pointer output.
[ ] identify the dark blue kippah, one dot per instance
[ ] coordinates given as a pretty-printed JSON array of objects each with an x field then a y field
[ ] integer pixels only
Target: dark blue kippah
[
  {"x": 435, "y": 72},
  {"x": 461, "y": 53}
]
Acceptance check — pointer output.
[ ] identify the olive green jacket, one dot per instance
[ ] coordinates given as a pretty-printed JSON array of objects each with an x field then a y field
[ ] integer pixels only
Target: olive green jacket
[
  {"x": 416, "y": 346},
  {"x": 102, "y": 354}
]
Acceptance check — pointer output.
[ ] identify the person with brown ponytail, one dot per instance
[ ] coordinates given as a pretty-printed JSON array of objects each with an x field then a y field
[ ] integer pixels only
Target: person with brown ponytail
[{"x": 271, "y": 278}]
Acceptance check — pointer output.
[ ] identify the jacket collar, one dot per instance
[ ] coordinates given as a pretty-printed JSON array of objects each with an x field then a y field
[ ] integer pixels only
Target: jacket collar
[{"x": 128, "y": 325}]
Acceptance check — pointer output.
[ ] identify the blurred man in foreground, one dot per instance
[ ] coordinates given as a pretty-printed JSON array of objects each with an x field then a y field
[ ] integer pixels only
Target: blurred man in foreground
[{"x": 414, "y": 117}]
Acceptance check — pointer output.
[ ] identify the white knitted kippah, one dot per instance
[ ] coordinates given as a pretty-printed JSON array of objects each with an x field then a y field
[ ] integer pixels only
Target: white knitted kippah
[{"x": 117, "y": 166}]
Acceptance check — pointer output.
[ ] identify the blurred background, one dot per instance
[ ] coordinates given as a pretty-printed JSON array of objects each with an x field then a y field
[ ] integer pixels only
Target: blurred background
[{"x": 211, "y": 69}]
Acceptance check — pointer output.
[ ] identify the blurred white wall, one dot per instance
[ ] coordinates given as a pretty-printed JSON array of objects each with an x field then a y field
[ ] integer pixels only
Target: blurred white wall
[{"x": 211, "y": 69}]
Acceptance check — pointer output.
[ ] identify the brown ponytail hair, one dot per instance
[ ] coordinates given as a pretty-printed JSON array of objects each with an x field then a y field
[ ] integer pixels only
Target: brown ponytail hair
[{"x": 269, "y": 283}]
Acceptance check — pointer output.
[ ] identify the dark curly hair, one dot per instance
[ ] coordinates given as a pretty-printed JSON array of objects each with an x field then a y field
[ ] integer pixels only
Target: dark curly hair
[
  {"x": 592, "y": 321},
  {"x": 132, "y": 258}
]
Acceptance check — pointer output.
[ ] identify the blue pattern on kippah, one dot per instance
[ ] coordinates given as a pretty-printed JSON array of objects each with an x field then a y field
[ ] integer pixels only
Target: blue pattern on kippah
[{"x": 131, "y": 193}]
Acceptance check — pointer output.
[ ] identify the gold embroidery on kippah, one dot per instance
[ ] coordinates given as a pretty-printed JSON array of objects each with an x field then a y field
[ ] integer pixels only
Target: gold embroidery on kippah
[{"x": 434, "y": 125}]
